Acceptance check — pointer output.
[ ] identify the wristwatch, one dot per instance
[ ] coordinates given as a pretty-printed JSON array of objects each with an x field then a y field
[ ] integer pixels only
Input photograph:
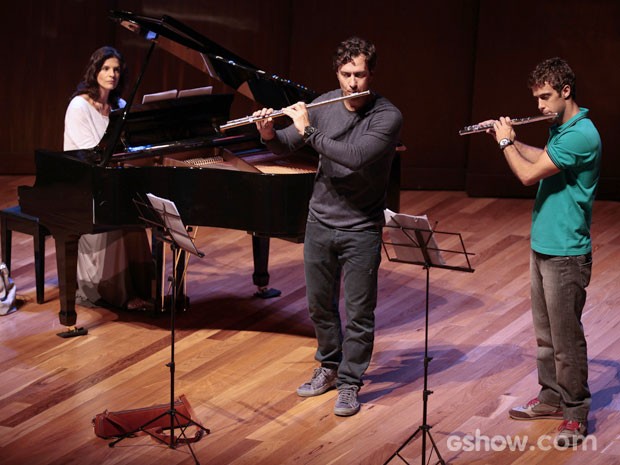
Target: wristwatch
[
  {"x": 308, "y": 131},
  {"x": 505, "y": 143}
]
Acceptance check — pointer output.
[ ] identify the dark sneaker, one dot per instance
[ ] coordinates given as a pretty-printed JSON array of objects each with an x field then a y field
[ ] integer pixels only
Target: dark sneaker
[
  {"x": 571, "y": 433},
  {"x": 323, "y": 379},
  {"x": 347, "y": 404},
  {"x": 536, "y": 410}
]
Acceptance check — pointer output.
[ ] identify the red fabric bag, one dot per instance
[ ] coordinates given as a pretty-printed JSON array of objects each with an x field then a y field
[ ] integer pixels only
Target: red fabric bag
[{"x": 148, "y": 420}]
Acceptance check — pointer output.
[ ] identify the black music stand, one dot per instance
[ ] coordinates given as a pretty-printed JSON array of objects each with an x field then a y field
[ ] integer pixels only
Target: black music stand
[
  {"x": 413, "y": 241},
  {"x": 162, "y": 215}
]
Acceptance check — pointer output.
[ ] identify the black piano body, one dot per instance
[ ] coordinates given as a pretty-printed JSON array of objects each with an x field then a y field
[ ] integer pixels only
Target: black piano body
[{"x": 72, "y": 196}]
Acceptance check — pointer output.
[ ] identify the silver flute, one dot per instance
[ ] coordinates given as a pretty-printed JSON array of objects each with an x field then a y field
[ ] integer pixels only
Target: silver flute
[
  {"x": 515, "y": 122},
  {"x": 253, "y": 119}
]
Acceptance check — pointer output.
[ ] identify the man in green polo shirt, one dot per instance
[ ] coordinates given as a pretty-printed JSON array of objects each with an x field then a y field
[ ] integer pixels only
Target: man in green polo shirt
[{"x": 567, "y": 173}]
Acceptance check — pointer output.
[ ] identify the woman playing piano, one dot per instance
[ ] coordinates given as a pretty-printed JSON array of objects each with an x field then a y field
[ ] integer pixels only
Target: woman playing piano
[{"x": 114, "y": 268}]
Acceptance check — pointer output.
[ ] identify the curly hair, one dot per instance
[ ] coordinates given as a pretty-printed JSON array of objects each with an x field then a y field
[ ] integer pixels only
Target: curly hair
[
  {"x": 89, "y": 84},
  {"x": 354, "y": 47},
  {"x": 556, "y": 72}
]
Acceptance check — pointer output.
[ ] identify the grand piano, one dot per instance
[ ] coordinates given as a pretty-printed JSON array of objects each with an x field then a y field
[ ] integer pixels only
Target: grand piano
[{"x": 173, "y": 149}]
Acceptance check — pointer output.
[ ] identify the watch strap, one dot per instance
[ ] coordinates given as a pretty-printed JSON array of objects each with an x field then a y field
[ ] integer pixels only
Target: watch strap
[
  {"x": 308, "y": 131},
  {"x": 505, "y": 143}
]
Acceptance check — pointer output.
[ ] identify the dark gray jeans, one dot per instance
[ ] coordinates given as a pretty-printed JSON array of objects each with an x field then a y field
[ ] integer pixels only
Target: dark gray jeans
[
  {"x": 558, "y": 297},
  {"x": 356, "y": 255}
]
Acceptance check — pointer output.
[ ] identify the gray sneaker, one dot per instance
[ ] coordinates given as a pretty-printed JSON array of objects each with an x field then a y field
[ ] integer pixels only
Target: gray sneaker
[
  {"x": 347, "y": 404},
  {"x": 323, "y": 379},
  {"x": 536, "y": 410}
]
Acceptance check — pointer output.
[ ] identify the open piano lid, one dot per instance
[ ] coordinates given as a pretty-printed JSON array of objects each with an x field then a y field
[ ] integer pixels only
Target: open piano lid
[{"x": 214, "y": 60}]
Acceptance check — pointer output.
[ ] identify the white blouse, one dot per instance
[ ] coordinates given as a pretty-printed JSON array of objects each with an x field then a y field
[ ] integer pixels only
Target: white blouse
[{"x": 84, "y": 125}]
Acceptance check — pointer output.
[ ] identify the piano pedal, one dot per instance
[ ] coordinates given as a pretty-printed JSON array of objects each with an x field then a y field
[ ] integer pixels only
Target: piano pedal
[
  {"x": 73, "y": 332},
  {"x": 267, "y": 293}
]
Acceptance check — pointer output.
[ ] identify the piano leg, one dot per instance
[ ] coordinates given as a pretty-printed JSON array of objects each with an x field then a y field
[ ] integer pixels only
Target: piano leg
[
  {"x": 260, "y": 277},
  {"x": 66, "y": 263}
]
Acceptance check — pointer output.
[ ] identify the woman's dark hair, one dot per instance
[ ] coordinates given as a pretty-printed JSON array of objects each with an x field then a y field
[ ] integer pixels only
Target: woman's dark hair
[
  {"x": 556, "y": 72},
  {"x": 353, "y": 47},
  {"x": 89, "y": 84}
]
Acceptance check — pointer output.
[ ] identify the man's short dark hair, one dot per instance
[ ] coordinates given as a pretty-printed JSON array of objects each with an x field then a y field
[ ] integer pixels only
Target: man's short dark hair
[
  {"x": 354, "y": 47},
  {"x": 556, "y": 72}
]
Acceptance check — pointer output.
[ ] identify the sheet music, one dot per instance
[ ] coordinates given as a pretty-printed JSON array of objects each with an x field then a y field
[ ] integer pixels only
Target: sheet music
[
  {"x": 174, "y": 94},
  {"x": 172, "y": 220},
  {"x": 402, "y": 232},
  {"x": 156, "y": 97},
  {"x": 207, "y": 90}
]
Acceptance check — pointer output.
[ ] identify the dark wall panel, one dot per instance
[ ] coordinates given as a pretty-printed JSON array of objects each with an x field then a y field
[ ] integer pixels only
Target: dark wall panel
[{"x": 45, "y": 49}]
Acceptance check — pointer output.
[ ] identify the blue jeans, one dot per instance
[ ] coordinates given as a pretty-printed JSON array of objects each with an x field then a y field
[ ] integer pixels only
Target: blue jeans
[
  {"x": 356, "y": 255},
  {"x": 558, "y": 297}
]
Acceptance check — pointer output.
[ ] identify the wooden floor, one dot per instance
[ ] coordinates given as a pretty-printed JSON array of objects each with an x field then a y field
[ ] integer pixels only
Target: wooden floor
[{"x": 239, "y": 358}]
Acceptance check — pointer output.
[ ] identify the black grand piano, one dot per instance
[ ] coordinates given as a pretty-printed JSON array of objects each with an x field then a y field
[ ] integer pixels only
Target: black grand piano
[{"x": 173, "y": 150}]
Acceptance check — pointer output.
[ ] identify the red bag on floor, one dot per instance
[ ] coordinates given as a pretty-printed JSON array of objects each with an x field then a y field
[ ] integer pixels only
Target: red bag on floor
[{"x": 147, "y": 420}]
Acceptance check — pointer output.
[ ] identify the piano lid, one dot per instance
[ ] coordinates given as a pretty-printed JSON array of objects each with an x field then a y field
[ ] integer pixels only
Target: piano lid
[{"x": 216, "y": 61}]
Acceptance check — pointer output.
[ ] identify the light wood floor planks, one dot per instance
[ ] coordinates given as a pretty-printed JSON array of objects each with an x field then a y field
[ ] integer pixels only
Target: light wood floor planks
[{"x": 239, "y": 359}]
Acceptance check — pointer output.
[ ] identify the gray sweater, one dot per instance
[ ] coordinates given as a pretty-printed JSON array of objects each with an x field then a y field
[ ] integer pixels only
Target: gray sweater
[{"x": 355, "y": 156}]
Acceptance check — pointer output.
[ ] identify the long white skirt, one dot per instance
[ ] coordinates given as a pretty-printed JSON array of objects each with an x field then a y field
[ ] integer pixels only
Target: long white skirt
[{"x": 114, "y": 267}]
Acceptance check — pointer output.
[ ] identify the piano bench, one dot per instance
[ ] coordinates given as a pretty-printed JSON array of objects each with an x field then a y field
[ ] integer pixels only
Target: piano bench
[{"x": 12, "y": 219}]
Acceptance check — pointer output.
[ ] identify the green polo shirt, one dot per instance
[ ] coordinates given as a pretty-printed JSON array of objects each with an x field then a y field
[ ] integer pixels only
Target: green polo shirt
[{"x": 563, "y": 209}]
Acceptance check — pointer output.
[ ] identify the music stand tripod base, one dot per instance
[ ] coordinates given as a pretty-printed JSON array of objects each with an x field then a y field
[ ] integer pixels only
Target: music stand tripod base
[{"x": 421, "y": 239}]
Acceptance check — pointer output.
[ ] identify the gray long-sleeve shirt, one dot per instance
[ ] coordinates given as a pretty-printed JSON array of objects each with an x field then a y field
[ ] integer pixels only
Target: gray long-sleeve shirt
[{"x": 356, "y": 151}]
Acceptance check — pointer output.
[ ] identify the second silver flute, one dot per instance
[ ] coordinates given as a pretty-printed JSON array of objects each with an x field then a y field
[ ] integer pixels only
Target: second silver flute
[
  {"x": 253, "y": 119},
  {"x": 483, "y": 127}
]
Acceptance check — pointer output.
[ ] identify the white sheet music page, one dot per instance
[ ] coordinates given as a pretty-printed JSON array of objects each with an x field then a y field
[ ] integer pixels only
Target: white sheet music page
[
  {"x": 206, "y": 90},
  {"x": 172, "y": 220},
  {"x": 158, "y": 96},
  {"x": 404, "y": 241}
]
